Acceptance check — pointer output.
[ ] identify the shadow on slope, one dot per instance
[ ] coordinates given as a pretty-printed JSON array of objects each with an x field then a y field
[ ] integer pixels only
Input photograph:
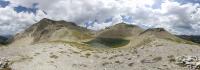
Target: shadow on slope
[{"x": 4, "y": 40}]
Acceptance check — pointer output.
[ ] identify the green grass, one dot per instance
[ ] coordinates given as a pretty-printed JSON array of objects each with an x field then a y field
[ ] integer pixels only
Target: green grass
[
  {"x": 81, "y": 35},
  {"x": 129, "y": 25},
  {"x": 109, "y": 42},
  {"x": 181, "y": 41}
]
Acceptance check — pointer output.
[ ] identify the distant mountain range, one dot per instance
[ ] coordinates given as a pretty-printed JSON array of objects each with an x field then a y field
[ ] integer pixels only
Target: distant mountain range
[
  {"x": 2, "y": 39},
  {"x": 5, "y": 40},
  {"x": 193, "y": 38}
]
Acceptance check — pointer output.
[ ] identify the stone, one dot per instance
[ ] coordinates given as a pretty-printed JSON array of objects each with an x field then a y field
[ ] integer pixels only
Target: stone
[
  {"x": 192, "y": 62},
  {"x": 4, "y": 63}
]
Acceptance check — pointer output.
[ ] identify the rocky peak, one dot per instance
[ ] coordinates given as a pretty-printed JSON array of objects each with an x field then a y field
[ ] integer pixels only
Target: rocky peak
[
  {"x": 157, "y": 29},
  {"x": 154, "y": 30},
  {"x": 46, "y": 22},
  {"x": 47, "y": 30},
  {"x": 125, "y": 25}
]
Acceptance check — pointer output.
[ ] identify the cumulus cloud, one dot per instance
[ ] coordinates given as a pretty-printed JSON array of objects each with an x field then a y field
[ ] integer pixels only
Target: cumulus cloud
[
  {"x": 12, "y": 22},
  {"x": 174, "y": 16}
]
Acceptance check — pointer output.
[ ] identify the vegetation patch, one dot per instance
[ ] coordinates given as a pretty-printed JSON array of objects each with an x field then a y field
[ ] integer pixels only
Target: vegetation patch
[
  {"x": 108, "y": 42},
  {"x": 129, "y": 25},
  {"x": 81, "y": 35},
  {"x": 87, "y": 55},
  {"x": 181, "y": 41}
]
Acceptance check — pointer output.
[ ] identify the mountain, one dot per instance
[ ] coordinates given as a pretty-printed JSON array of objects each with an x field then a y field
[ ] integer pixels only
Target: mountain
[
  {"x": 121, "y": 30},
  {"x": 61, "y": 45},
  {"x": 116, "y": 36},
  {"x": 49, "y": 30},
  {"x": 4, "y": 40},
  {"x": 123, "y": 34},
  {"x": 119, "y": 35},
  {"x": 193, "y": 38}
]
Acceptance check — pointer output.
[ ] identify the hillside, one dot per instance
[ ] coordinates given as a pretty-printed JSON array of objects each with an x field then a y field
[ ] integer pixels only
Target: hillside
[
  {"x": 121, "y": 35},
  {"x": 193, "y": 38},
  {"x": 4, "y": 40},
  {"x": 121, "y": 30},
  {"x": 116, "y": 36},
  {"x": 61, "y": 45},
  {"x": 163, "y": 34},
  {"x": 50, "y": 30}
]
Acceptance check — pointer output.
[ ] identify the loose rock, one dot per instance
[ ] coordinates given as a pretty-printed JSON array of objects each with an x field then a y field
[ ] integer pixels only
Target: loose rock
[
  {"x": 3, "y": 63},
  {"x": 192, "y": 62}
]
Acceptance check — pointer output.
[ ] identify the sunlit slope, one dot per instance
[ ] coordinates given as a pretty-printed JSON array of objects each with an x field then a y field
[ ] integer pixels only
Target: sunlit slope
[
  {"x": 125, "y": 35},
  {"x": 49, "y": 30}
]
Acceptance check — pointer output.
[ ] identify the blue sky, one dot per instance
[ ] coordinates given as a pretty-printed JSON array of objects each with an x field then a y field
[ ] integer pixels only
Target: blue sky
[
  {"x": 4, "y": 3},
  {"x": 20, "y": 8},
  {"x": 176, "y": 16},
  {"x": 188, "y": 1},
  {"x": 33, "y": 9}
]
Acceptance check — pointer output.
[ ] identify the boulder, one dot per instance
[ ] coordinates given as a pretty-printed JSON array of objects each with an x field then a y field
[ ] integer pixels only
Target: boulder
[
  {"x": 4, "y": 63},
  {"x": 192, "y": 62}
]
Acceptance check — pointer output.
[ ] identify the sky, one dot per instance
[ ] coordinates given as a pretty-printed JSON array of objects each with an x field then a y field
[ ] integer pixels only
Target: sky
[{"x": 176, "y": 16}]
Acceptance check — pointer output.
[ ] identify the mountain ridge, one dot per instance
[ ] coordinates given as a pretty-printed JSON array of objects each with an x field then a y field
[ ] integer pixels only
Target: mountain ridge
[
  {"x": 59, "y": 45},
  {"x": 120, "y": 34},
  {"x": 49, "y": 30},
  {"x": 193, "y": 38}
]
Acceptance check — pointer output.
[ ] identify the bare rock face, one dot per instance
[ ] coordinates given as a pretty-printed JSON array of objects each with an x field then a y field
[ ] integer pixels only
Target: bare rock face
[
  {"x": 4, "y": 64},
  {"x": 192, "y": 62}
]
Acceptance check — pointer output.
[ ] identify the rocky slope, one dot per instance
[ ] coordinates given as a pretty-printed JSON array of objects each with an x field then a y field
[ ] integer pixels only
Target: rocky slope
[
  {"x": 49, "y": 30},
  {"x": 60, "y": 45}
]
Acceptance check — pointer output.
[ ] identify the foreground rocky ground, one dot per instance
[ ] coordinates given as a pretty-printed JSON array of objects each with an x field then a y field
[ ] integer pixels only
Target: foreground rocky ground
[{"x": 157, "y": 55}]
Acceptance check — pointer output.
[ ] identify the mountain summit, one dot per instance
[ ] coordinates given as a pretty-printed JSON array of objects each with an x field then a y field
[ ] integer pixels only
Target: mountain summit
[
  {"x": 50, "y": 30},
  {"x": 121, "y": 30}
]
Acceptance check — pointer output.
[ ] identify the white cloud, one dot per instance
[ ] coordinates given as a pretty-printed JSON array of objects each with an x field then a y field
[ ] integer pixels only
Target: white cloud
[
  {"x": 12, "y": 22},
  {"x": 173, "y": 16}
]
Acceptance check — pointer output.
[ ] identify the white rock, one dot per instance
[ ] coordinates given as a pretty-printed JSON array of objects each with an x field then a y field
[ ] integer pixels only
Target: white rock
[
  {"x": 3, "y": 63},
  {"x": 193, "y": 62}
]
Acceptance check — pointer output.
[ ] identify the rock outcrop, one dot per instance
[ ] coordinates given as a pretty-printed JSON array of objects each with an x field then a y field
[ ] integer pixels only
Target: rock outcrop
[
  {"x": 192, "y": 62},
  {"x": 4, "y": 63}
]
